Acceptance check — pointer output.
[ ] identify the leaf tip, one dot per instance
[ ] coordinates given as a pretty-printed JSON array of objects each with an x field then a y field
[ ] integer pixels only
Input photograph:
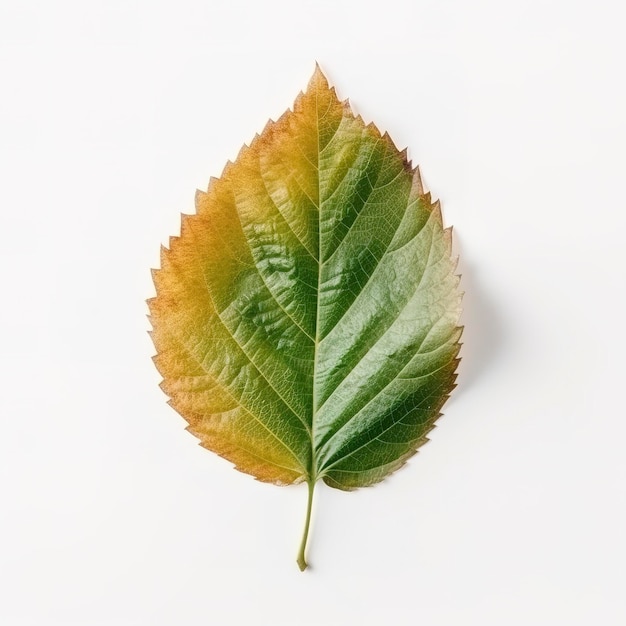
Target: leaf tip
[{"x": 318, "y": 80}]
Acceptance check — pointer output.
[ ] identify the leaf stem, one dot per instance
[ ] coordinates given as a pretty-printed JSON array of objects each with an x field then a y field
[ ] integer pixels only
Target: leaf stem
[{"x": 302, "y": 564}]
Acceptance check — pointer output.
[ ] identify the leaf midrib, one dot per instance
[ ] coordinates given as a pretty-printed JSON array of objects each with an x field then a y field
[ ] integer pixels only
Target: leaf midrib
[{"x": 312, "y": 477}]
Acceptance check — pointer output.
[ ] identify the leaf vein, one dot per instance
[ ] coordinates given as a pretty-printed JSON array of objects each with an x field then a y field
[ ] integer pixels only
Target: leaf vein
[
  {"x": 238, "y": 401},
  {"x": 278, "y": 210},
  {"x": 387, "y": 253},
  {"x": 239, "y": 344},
  {"x": 390, "y": 325},
  {"x": 392, "y": 425}
]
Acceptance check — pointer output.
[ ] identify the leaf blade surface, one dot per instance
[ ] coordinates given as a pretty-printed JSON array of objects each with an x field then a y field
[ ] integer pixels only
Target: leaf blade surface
[{"x": 306, "y": 318}]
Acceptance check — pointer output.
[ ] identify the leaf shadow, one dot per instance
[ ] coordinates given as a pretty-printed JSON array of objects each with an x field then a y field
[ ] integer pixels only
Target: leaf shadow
[{"x": 484, "y": 336}]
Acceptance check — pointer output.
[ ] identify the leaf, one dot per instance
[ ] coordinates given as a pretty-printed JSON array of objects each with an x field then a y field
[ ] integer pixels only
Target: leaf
[{"x": 306, "y": 318}]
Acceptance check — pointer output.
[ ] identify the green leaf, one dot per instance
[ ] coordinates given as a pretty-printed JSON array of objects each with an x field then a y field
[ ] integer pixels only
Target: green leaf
[{"x": 306, "y": 319}]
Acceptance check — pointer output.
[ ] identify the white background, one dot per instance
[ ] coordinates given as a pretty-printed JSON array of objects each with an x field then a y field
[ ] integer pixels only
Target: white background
[{"x": 112, "y": 113}]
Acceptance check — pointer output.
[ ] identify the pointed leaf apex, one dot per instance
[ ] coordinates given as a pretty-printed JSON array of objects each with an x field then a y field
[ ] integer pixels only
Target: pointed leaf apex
[{"x": 318, "y": 80}]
